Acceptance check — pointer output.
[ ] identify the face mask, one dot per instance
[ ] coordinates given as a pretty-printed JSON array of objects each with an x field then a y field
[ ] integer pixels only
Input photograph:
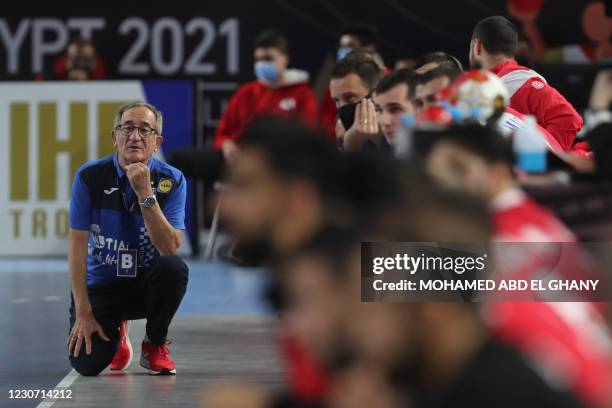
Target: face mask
[
  {"x": 342, "y": 52},
  {"x": 266, "y": 71}
]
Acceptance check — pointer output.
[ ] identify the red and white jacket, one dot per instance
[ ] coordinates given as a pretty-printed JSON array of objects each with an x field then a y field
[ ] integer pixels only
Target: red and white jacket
[
  {"x": 567, "y": 342},
  {"x": 530, "y": 94},
  {"x": 293, "y": 98}
]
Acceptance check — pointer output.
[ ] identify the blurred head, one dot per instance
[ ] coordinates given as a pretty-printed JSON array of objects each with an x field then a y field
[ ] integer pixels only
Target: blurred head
[
  {"x": 271, "y": 55},
  {"x": 435, "y": 59},
  {"x": 321, "y": 284},
  {"x": 473, "y": 159},
  {"x": 428, "y": 85},
  {"x": 407, "y": 336},
  {"x": 493, "y": 38},
  {"x": 282, "y": 186},
  {"x": 438, "y": 214},
  {"x": 81, "y": 60},
  {"x": 371, "y": 184},
  {"x": 353, "y": 78},
  {"x": 393, "y": 99},
  {"x": 137, "y": 132},
  {"x": 356, "y": 35}
]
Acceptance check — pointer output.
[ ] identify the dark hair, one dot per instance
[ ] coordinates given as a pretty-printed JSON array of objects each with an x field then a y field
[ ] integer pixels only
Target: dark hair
[
  {"x": 484, "y": 141},
  {"x": 363, "y": 65},
  {"x": 451, "y": 72},
  {"x": 80, "y": 42},
  {"x": 272, "y": 39},
  {"x": 440, "y": 58},
  {"x": 366, "y": 34},
  {"x": 497, "y": 34},
  {"x": 295, "y": 152},
  {"x": 401, "y": 76},
  {"x": 334, "y": 245}
]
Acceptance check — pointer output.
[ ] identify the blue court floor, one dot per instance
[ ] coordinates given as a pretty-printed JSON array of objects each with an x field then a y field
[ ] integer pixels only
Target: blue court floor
[{"x": 223, "y": 330}]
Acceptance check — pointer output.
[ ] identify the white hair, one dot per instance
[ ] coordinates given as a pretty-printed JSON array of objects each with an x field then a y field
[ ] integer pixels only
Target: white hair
[{"x": 159, "y": 119}]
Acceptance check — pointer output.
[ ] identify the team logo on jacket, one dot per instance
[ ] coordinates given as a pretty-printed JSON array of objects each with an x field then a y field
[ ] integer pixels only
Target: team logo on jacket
[
  {"x": 537, "y": 84},
  {"x": 287, "y": 104},
  {"x": 165, "y": 185}
]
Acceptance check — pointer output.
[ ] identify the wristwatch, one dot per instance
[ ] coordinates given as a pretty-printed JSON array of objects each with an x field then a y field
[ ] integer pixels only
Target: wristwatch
[{"x": 148, "y": 202}]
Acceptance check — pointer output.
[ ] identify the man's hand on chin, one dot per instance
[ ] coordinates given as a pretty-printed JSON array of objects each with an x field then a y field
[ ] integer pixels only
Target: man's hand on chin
[{"x": 140, "y": 179}]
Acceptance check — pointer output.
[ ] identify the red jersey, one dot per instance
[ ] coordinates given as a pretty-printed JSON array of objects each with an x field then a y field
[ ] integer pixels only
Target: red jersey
[
  {"x": 568, "y": 342},
  {"x": 328, "y": 115},
  {"x": 293, "y": 98},
  {"x": 517, "y": 218},
  {"x": 308, "y": 380},
  {"x": 530, "y": 94}
]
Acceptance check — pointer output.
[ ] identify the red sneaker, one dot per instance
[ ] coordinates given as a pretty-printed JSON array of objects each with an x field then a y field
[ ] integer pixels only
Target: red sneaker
[
  {"x": 124, "y": 353},
  {"x": 157, "y": 359}
]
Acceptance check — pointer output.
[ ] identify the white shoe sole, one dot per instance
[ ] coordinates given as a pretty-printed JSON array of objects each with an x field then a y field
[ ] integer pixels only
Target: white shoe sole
[
  {"x": 144, "y": 363},
  {"x": 127, "y": 339}
]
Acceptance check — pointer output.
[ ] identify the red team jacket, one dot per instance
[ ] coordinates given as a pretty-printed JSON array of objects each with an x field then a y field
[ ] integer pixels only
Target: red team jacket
[
  {"x": 293, "y": 98},
  {"x": 530, "y": 94},
  {"x": 568, "y": 341}
]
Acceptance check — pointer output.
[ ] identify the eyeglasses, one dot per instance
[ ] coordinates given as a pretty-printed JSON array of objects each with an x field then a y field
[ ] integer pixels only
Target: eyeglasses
[{"x": 127, "y": 130}]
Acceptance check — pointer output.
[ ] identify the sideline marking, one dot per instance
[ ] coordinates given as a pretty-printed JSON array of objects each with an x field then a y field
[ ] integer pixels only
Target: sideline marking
[{"x": 64, "y": 383}]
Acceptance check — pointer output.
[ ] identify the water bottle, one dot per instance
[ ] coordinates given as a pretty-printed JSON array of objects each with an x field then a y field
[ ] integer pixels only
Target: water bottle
[{"x": 530, "y": 147}]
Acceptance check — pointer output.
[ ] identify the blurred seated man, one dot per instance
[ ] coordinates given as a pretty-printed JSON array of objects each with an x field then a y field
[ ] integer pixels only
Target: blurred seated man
[
  {"x": 358, "y": 36},
  {"x": 600, "y": 101},
  {"x": 478, "y": 160},
  {"x": 436, "y": 354},
  {"x": 393, "y": 99},
  {"x": 492, "y": 47},
  {"x": 353, "y": 36},
  {"x": 80, "y": 63},
  {"x": 354, "y": 79},
  {"x": 277, "y": 90},
  {"x": 429, "y": 85}
]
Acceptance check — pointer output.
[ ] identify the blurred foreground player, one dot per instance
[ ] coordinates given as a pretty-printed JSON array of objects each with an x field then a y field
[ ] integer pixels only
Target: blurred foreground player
[
  {"x": 126, "y": 214},
  {"x": 478, "y": 160}
]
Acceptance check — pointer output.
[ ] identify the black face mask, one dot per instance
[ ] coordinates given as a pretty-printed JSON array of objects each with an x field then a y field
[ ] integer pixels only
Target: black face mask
[{"x": 346, "y": 113}]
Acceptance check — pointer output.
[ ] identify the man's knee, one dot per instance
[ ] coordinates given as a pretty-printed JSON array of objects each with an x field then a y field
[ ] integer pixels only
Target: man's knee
[
  {"x": 87, "y": 368},
  {"x": 102, "y": 352},
  {"x": 172, "y": 270},
  {"x": 94, "y": 363}
]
